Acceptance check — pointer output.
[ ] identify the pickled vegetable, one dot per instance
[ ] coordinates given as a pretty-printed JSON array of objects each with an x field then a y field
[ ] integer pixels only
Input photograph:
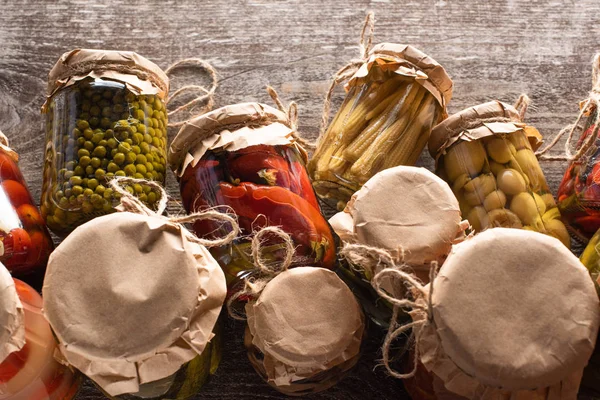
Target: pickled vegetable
[
  {"x": 97, "y": 130},
  {"x": 499, "y": 184}
]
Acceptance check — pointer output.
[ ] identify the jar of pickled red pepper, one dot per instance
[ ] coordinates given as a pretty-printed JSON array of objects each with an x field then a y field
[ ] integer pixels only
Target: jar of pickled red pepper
[
  {"x": 105, "y": 116},
  {"x": 482, "y": 330},
  {"x": 245, "y": 158},
  {"x": 28, "y": 369},
  {"x": 393, "y": 100},
  {"x": 25, "y": 243},
  {"x": 486, "y": 156}
]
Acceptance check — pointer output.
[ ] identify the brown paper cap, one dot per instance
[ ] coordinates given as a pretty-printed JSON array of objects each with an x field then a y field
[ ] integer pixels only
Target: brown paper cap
[
  {"x": 305, "y": 317},
  {"x": 515, "y": 309},
  {"x": 409, "y": 208},
  {"x": 139, "y": 73},
  {"x": 446, "y": 132},
  {"x": 207, "y": 127},
  {"x": 131, "y": 300},
  {"x": 12, "y": 334},
  {"x": 427, "y": 69}
]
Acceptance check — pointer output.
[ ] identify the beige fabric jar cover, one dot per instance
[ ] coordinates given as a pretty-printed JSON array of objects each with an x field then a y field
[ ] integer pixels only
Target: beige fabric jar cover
[
  {"x": 407, "y": 211},
  {"x": 12, "y": 316},
  {"x": 131, "y": 296},
  {"x": 512, "y": 314},
  {"x": 140, "y": 75}
]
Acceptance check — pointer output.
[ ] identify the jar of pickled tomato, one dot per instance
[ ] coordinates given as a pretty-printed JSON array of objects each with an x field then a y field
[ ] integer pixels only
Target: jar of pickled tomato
[{"x": 105, "y": 117}]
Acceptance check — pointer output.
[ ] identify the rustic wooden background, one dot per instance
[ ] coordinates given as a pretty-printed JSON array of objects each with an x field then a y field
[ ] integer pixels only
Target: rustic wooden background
[{"x": 492, "y": 50}]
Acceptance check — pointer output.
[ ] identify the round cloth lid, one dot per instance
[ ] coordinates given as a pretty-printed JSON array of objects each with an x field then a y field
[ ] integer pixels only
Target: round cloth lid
[
  {"x": 130, "y": 299},
  {"x": 124, "y": 66},
  {"x": 305, "y": 317},
  {"x": 234, "y": 126},
  {"x": 12, "y": 334},
  {"x": 515, "y": 309},
  {"x": 409, "y": 208},
  {"x": 460, "y": 122}
]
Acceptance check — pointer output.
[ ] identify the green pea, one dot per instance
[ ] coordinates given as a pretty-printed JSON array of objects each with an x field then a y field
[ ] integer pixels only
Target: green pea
[
  {"x": 80, "y": 141},
  {"x": 85, "y": 115},
  {"x": 136, "y": 149},
  {"x": 100, "y": 174},
  {"x": 138, "y": 188},
  {"x": 76, "y": 133},
  {"x": 143, "y": 197},
  {"x": 141, "y": 159},
  {"x": 89, "y": 170},
  {"x": 92, "y": 183},
  {"x": 109, "y": 133},
  {"x": 84, "y": 181},
  {"x": 120, "y": 173},
  {"x": 149, "y": 175},
  {"x": 124, "y": 147},
  {"x": 100, "y": 189},
  {"x": 59, "y": 194},
  {"x": 94, "y": 121},
  {"x": 138, "y": 138},
  {"x": 147, "y": 138},
  {"x": 59, "y": 214},
  {"x": 87, "y": 207},
  {"x": 149, "y": 157},
  {"x": 103, "y": 143},
  {"x": 112, "y": 167},
  {"x": 95, "y": 162},
  {"x": 68, "y": 175},
  {"x": 141, "y": 129},
  {"x": 75, "y": 180},
  {"x": 130, "y": 157},
  {"x": 147, "y": 189},
  {"x": 88, "y": 145},
  {"x": 99, "y": 151},
  {"x": 106, "y": 111},
  {"x": 151, "y": 197},
  {"x": 82, "y": 124},
  {"x": 149, "y": 167},
  {"x": 109, "y": 175},
  {"x": 78, "y": 170},
  {"x": 112, "y": 143},
  {"x": 98, "y": 136},
  {"x": 80, "y": 199},
  {"x": 104, "y": 163},
  {"x": 138, "y": 114},
  {"x": 119, "y": 158},
  {"x": 95, "y": 111},
  {"x": 77, "y": 190},
  {"x": 137, "y": 175},
  {"x": 83, "y": 153},
  {"x": 63, "y": 202},
  {"x": 130, "y": 169},
  {"x": 118, "y": 108}
]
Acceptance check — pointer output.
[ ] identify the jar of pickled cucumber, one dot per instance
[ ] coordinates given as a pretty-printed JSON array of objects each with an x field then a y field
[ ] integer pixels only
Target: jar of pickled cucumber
[
  {"x": 245, "y": 158},
  {"x": 308, "y": 349},
  {"x": 392, "y": 102},
  {"x": 105, "y": 116},
  {"x": 486, "y": 156},
  {"x": 484, "y": 331},
  {"x": 25, "y": 243},
  {"x": 28, "y": 369},
  {"x": 138, "y": 320},
  {"x": 409, "y": 214}
]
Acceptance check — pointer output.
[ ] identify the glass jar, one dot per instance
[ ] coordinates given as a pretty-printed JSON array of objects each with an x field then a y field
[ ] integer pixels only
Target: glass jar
[
  {"x": 244, "y": 158},
  {"x": 485, "y": 155},
  {"x": 32, "y": 372},
  {"x": 25, "y": 243},
  {"x": 392, "y": 103},
  {"x": 109, "y": 120}
]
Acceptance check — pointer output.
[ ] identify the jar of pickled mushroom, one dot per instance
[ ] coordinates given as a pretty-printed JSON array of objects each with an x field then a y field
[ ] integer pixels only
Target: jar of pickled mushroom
[
  {"x": 393, "y": 100},
  {"x": 28, "y": 369},
  {"x": 245, "y": 158},
  {"x": 410, "y": 215},
  {"x": 138, "y": 320},
  {"x": 105, "y": 117},
  {"x": 302, "y": 350},
  {"x": 482, "y": 330},
  {"x": 25, "y": 243},
  {"x": 486, "y": 156}
]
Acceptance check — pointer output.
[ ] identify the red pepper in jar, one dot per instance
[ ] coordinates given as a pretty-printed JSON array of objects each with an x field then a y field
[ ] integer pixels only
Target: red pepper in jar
[
  {"x": 286, "y": 209},
  {"x": 253, "y": 164}
]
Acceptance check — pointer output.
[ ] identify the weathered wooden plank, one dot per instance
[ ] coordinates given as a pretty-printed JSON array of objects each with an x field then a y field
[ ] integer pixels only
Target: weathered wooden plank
[{"x": 491, "y": 49}]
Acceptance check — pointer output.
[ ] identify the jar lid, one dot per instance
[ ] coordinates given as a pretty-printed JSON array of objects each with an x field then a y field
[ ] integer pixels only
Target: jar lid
[
  {"x": 12, "y": 335},
  {"x": 512, "y": 310},
  {"x": 407, "y": 208},
  {"x": 409, "y": 61},
  {"x": 143, "y": 305},
  {"x": 232, "y": 127},
  {"x": 306, "y": 319},
  {"x": 140, "y": 75},
  {"x": 444, "y": 134}
]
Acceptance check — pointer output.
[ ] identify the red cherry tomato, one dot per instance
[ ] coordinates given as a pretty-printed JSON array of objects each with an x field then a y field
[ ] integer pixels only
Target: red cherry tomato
[
  {"x": 39, "y": 250},
  {"x": 21, "y": 245},
  {"x": 30, "y": 216},
  {"x": 8, "y": 168},
  {"x": 13, "y": 364},
  {"x": 16, "y": 192}
]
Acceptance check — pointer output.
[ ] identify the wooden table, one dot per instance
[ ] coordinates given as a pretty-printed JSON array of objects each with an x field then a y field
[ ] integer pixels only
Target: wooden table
[{"x": 492, "y": 50}]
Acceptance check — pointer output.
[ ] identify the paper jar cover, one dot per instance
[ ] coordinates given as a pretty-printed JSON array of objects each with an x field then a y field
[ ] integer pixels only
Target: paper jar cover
[
  {"x": 513, "y": 311},
  {"x": 230, "y": 128},
  {"x": 403, "y": 207},
  {"x": 131, "y": 300},
  {"x": 305, "y": 321},
  {"x": 12, "y": 334}
]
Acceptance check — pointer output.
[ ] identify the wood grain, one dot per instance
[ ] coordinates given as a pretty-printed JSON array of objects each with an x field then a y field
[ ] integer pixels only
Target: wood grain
[{"x": 493, "y": 50}]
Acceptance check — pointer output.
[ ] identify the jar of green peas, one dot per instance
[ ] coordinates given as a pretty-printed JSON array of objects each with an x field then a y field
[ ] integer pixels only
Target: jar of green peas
[{"x": 105, "y": 117}]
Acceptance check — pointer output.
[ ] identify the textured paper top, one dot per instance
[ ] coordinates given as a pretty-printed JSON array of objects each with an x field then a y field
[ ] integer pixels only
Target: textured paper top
[
  {"x": 515, "y": 310},
  {"x": 12, "y": 334},
  {"x": 131, "y": 299},
  {"x": 403, "y": 207},
  {"x": 139, "y": 74},
  {"x": 231, "y": 128}
]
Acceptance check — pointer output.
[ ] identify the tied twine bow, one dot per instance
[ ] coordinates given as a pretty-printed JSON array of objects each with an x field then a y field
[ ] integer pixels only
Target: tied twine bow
[
  {"x": 590, "y": 104},
  {"x": 266, "y": 271},
  {"x": 395, "y": 270},
  {"x": 207, "y": 94},
  {"x": 292, "y": 114},
  {"x": 132, "y": 204}
]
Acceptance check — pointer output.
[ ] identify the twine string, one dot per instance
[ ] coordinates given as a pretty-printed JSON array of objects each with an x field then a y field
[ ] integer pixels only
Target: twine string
[{"x": 292, "y": 115}]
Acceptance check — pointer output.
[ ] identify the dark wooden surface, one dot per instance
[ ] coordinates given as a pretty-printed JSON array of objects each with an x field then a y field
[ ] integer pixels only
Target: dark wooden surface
[{"x": 492, "y": 50}]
